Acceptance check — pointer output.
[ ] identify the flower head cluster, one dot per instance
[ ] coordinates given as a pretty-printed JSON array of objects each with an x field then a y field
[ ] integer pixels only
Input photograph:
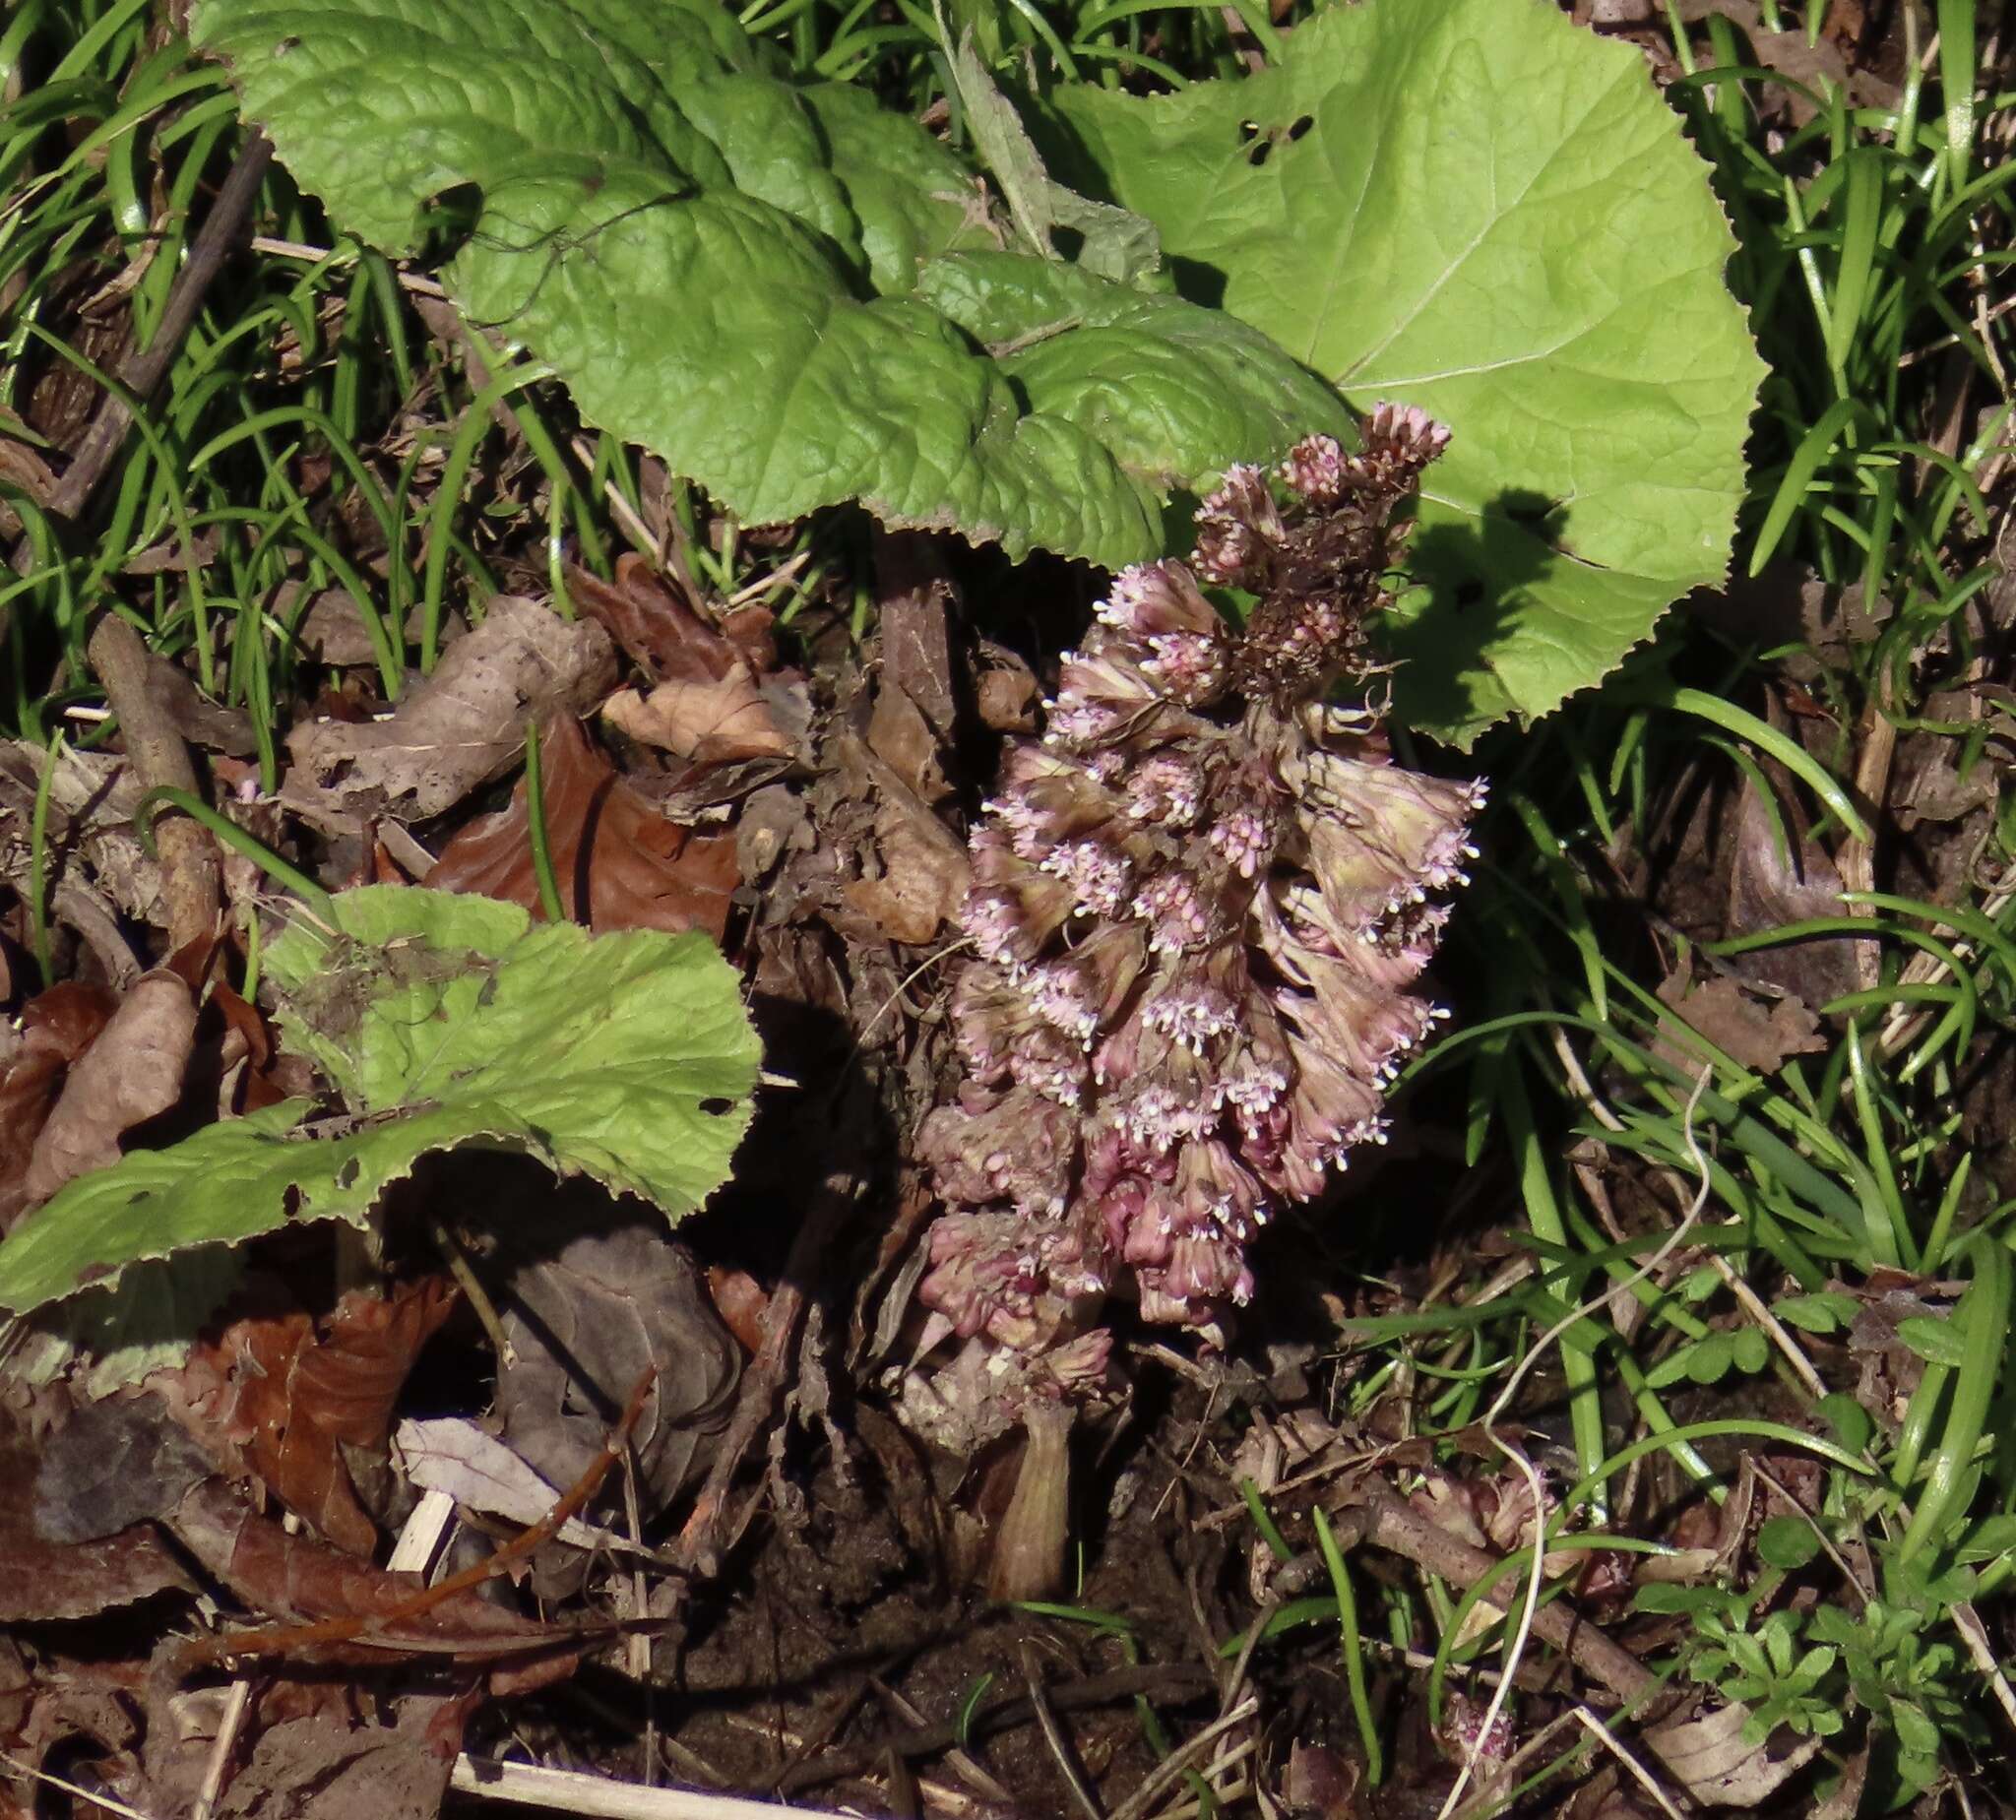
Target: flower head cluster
[{"x": 1198, "y": 904}]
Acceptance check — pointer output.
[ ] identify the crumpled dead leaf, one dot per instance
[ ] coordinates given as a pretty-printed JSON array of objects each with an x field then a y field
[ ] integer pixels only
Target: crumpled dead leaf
[
  {"x": 1768, "y": 885},
  {"x": 901, "y": 737},
  {"x": 924, "y": 870},
  {"x": 457, "y": 729},
  {"x": 710, "y": 723},
  {"x": 308, "y": 1768},
  {"x": 1709, "y": 1758},
  {"x": 1758, "y": 1034},
  {"x": 593, "y": 1300},
  {"x": 44, "y": 1577},
  {"x": 1005, "y": 692},
  {"x": 667, "y": 639},
  {"x": 286, "y": 1396},
  {"x": 298, "y": 1579},
  {"x": 115, "y": 1463},
  {"x": 92, "y": 799},
  {"x": 636, "y": 869},
  {"x": 56, "y": 1028},
  {"x": 718, "y": 696},
  {"x": 131, "y": 1073}
]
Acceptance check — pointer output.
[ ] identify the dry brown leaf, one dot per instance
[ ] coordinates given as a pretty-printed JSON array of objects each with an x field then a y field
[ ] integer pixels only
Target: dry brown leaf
[
  {"x": 309, "y": 1769},
  {"x": 461, "y": 726},
  {"x": 1321, "y": 1783},
  {"x": 1709, "y": 1759},
  {"x": 901, "y": 737},
  {"x": 115, "y": 1463},
  {"x": 710, "y": 723},
  {"x": 56, "y": 1028},
  {"x": 132, "y": 1072},
  {"x": 635, "y": 869},
  {"x": 298, "y": 1579},
  {"x": 286, "y": 1396},
  {"x": 91, "y": 798},
  {"x": 923, "y": 882},
  {"x": 590, "y": 1304},
  {"x": 1006, "y": 696},
  {"x": 1752, "y": 1032},
  {"x": 668, "y": 640},
  {"x": 43, "y": 1578},
  {"x": 1776, "y": 879}
]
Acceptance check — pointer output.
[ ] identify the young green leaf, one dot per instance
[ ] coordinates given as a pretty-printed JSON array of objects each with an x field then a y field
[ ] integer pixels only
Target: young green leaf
[
  {"x": 1477, "y": 207},
  {"x": 443, "y": 1020}
]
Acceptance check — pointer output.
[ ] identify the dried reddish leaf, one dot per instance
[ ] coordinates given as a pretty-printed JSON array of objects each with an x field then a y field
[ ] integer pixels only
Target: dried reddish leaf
[
  {"x": 56, "y": 1028},
  {"x": 666, "y": 638},
  {"x": 129, "y": 1075},
  {"x": 636, "y": 869},
  {"x": 41, "y": 1579},
  {"x": 291, "y": 1397},
  {"x": 741, "y": 1303},
  {"x": 300, "y": 1580}
]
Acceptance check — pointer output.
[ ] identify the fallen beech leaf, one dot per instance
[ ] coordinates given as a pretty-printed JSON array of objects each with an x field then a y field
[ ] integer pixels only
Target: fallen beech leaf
[
  {"x": 453, "y": 1455},
  {"x": 131, "y": 1073},
  {"x": 922, "y": 886},
  {"x": 56, "y": 1028},
  {"x": 308, "y": 1768},
  {"x": 115, "y": 1463},
  {"x": 590, "y": 1305},
  {"x": 298, "y": 1579},
  {"x": 666, "y": 636},
  {"x": 710, "y": 723},
  {"x": 640, "y": 871},
  {"x": 1709, "y": 1758},
  {"x": 1757, "y": 1036},
  {"x": 286, "y": 1397},
  {"x": 461, "y": 726},
  {"x": 1768, "y": 885},
  {"x": 43, "y": 1578}
]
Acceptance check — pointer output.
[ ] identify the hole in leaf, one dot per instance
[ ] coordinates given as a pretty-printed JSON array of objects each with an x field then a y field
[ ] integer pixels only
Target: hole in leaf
[
  {"x": 717, "y": 1107},
  {"x": 346, "y": 1176}
]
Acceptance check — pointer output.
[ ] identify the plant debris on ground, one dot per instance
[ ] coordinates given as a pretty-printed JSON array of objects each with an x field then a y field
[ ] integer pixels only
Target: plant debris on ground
[{"x": 1045, "y": 909}]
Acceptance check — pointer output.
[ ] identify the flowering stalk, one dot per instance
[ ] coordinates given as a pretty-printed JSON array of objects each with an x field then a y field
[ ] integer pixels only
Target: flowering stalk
[{"x": 1198, "y": 905}]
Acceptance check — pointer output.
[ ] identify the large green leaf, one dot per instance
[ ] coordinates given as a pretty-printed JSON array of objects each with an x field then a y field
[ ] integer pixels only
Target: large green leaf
[
  {"x": 1472, "y": 205},
  {"x": 741, "y": 274},
  {"x": 443, "y": 1020}
]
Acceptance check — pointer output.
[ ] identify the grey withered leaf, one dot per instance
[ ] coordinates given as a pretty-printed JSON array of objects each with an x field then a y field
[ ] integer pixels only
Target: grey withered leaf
[{"x": 112, "y": 1465}]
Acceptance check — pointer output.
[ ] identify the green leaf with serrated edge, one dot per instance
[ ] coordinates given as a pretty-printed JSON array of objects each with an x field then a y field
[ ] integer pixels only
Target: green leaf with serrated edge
[
  {"x": 1474, "y": 207},
  {"x": 445, "y": 1020},
  {"x": 734, "y": 272}
]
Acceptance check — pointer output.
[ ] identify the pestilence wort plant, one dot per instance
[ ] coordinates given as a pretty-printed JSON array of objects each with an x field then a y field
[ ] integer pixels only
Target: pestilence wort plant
[{"x": 1200, "y": 904}]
